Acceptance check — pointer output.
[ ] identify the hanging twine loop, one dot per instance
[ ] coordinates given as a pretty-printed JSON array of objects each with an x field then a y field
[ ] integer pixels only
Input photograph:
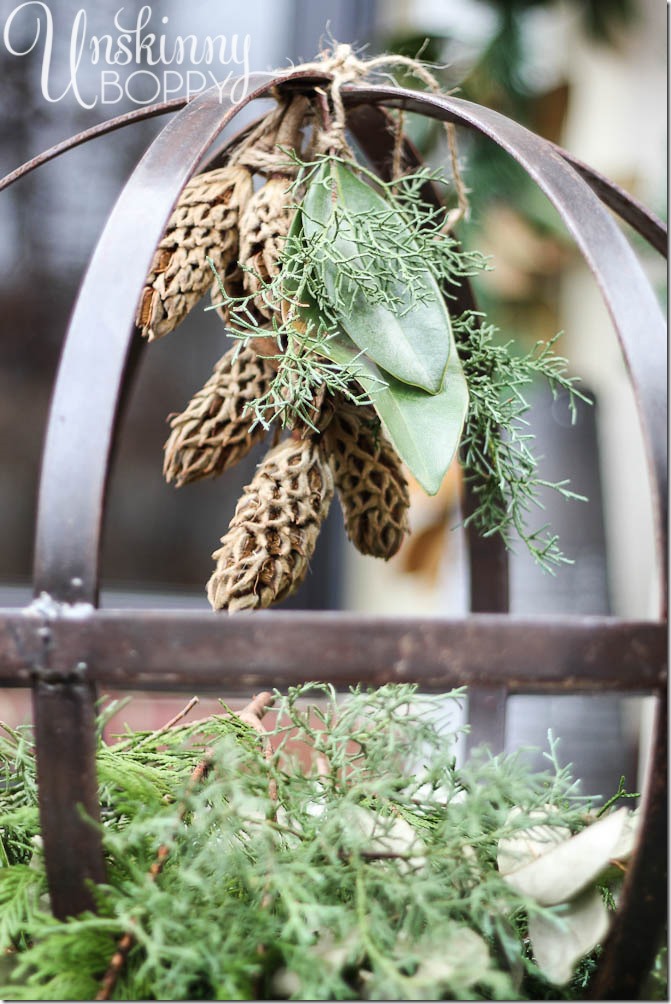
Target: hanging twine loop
[{"x": 345, "y": 67}]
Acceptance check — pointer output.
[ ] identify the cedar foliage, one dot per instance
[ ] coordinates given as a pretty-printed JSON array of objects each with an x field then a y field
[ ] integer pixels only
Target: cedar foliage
[{"x": 368, "y": 874}]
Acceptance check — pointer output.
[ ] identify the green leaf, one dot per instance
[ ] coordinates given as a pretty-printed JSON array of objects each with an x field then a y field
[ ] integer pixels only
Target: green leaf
[
  {"x": 402, "y": 326},
  {"x": 424, "y": 428}
]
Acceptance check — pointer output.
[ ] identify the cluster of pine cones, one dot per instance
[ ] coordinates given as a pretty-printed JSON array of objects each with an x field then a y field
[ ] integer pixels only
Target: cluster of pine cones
[{"x": 265, "y": 554}]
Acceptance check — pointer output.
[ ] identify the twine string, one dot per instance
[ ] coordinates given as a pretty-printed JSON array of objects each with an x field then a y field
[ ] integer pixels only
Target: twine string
[{"x": 345, "y": 67}]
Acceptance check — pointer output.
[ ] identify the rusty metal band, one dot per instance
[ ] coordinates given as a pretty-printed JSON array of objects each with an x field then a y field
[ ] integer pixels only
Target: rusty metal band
[
  {"x": 641, "y": 331},
  {"x": 489, "y": 587},
  {"x": 164, "y": 650},
  {"x": 629, "y": 209},
  {"x": 95, "y": 365}
]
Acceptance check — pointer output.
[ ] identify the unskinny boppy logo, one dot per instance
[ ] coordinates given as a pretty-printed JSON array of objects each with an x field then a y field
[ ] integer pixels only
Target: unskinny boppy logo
[{"x": 137, "y": 60}]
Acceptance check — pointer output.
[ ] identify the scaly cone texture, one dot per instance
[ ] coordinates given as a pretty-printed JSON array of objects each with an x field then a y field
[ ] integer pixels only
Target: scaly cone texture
[
  {"x": 264, "y": 226},
  {"x": 264, "y": 556},
  {"x": 203, "y": 224},
  {"x": 213, "y": 433},
  {"x": 370, "y": 481}
]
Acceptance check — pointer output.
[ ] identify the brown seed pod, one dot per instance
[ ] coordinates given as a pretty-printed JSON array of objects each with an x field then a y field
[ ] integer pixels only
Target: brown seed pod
[
  {"x": 227, "y": 284},
  {"x": 264, "y": 226},
  {"x": 319, "y": 412},
  {"x": 203, "y": 224},
  {"x": 213, "y": 433},
  {"x": 264, "y": 556},
  {"x": 370, "y": 481}
]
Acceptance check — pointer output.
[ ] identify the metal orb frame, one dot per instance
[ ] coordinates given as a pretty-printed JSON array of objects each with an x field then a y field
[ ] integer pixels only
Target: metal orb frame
[{"x": 63, "y": 646}]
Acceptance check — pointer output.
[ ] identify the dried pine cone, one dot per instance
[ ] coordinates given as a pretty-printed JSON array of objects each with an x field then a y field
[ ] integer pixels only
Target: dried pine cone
[
  {"x": 369, "y": 478},
  {"x": 213, "y": 433},
  {"x": 264, "y": 226},
  {"x": 265, "y": 554},
  {"x": 203, "y": 224}
]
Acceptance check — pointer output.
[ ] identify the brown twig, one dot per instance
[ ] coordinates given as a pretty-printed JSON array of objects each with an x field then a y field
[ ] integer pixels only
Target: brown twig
[
  {"x": 252, "y": 714},
  {"x": 173, "y": 723},
  {"x": 178, "y": 717},
  {"x": 258, "y": 706},
  {"x": 115, "y": 966}
]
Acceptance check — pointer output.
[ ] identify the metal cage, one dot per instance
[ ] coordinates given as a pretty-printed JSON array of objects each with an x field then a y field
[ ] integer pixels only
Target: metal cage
[{"x": 64, "y": 647}]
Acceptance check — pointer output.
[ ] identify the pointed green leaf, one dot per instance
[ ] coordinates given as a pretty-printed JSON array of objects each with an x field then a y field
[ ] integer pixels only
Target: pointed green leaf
[
  {"x": 412, "y": 340},
  {"x": 424, "y": 428}
]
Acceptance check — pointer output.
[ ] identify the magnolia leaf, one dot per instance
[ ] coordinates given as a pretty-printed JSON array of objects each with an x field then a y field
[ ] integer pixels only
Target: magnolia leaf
[
  {"x": 559, "y": 942},
  {"x": 424, "y": 428},
  {"x": 375, "y": 834},
  {"x": 624, "y": 848},
  {"x": 409, "y": 338},
  {"x": 566, "y": 868},
  {"x": 530, "y": 842}
]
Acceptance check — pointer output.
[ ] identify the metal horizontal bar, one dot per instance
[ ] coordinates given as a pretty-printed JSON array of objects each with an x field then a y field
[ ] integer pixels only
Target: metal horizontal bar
[{"x": 183, "y": 650}]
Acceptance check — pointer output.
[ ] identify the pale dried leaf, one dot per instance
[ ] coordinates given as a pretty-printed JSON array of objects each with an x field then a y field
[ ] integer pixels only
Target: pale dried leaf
[
  {"x": 528, "y": 843},
  {"x": 568, "y": 867},
  {"x": 460, "y": 961},
  {"x": 627, "y": 842},
  {"x": 559, "y": 943}
]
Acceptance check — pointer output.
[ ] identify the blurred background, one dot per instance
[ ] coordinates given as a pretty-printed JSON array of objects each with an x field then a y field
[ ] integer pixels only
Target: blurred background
[{"x": 587, "y": 74}]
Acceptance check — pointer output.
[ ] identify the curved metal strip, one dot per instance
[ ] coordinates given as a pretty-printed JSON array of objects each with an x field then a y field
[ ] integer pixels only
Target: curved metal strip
[
  {"x": 629, "y": 297},
  {"x": 94, "y": 368},
  {"x": 633, "y": 212},
  {"x": 100, "y": 129},
  {"x": 487, "y": 556},
  {"x": 640, "y": 327},
  {"x": 629, "y": 209},
  {"x": 636, "y": 936}
]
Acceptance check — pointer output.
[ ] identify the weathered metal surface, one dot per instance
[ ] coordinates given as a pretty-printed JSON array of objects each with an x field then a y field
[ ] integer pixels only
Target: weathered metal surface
[
  {"x": 84, "y": 408},
  {"x": 65, "y": 726},
  {"x": 95, "y": 367},
  {"x": 487, "y": 556},
  {"x": 99, "y": 129},
  {"x": 180, "y": 650},
  {"x": 371, "y": 127},
  {"x": 630, "y": 210}
]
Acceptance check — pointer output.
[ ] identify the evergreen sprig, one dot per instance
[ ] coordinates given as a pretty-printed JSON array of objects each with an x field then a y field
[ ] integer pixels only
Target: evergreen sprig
[
  {"x": 496, "y": 448},
  {"x": 386, "y": 263},
  {"x": 344, "y": 856},
  {"x": 389, "y": 267}
]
